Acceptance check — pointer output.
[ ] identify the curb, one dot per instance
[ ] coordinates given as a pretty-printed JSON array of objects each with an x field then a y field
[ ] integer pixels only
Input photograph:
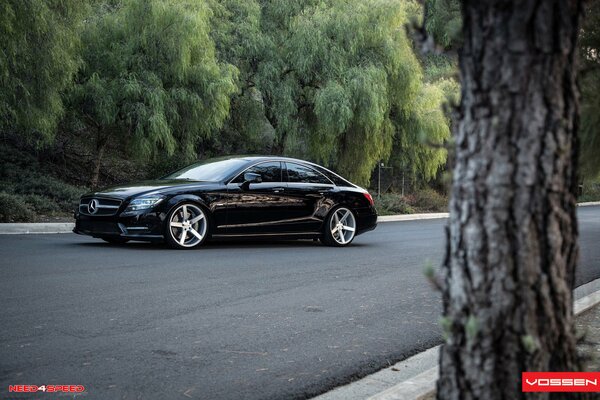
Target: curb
[
  {"x": 411, "y": 217},
  {"x": 28, "y": 228},
  {"x": 589, "y": 203},
  {"x": 423, "y": 369},
  {"x": 67, "y": 227}
]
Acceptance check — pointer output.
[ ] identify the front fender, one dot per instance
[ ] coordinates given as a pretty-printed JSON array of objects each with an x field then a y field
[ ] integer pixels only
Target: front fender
[{"x": 181, "y": 198}]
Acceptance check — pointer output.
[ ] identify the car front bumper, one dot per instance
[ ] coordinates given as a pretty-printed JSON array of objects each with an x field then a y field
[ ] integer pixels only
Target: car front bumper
[{"x": 146, "y": 226}]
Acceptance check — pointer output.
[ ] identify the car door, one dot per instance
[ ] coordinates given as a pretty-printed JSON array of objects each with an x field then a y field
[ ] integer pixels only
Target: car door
[
  {"x": 309, "y": 192},
  {"x": 258, "y": 208}
]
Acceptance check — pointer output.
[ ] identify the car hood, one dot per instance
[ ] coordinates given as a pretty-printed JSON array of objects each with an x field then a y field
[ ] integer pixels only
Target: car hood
[{"x": 144, "y": 187}]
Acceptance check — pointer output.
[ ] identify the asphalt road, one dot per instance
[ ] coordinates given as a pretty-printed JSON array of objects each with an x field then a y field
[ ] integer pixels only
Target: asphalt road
[{"x": 228, "y": 321}]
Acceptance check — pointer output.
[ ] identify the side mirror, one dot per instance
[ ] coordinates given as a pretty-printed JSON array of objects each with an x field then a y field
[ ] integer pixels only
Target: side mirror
[{"x": 250, "y": 177}]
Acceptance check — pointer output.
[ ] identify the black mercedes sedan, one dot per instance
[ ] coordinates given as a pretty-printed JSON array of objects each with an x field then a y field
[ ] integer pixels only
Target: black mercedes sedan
[{"x": 231, "y": 197}]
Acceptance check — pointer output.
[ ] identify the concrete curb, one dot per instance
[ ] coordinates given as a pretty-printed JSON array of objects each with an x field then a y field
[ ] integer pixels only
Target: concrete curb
[
  {"x": 411, "y": 217},
  {"x": 416, "y": 376},
  {"x": 43, "y": 227},
  {"x": 589, "y": 203},
  {"x": 67, "y": 227}
]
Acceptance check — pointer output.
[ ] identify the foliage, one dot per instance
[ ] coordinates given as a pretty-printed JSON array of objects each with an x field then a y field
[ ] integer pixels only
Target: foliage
[
  {"x": 151, "y": 79},
  {"x": 429, "y": 200},
  {"x": 165, "y": 81},
  {"x": 422, "y": 130},
  {"x": 423, "y": 200},
  {"x": 443, "y": 20},
  {"x": 40, "y": 54},
  {"x": 390, "y": 204},
  {"x": 589, "y": 132},
  {"x": 590, "y": 192},
  {"x": 24, "y": 180},
  {"x": 330, "y": 86},
  {"x": 14, "y": 209}
]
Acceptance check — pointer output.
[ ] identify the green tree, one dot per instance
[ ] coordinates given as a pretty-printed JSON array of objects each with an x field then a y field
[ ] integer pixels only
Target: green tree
[
  {"x": 240, "y": 41},
  {"x": 38, "y": 57},
  {"x": 443, "y": 21},
  {"x": 331, "y": 87},
  {"x": 590, "y": 92},
  {"x": 150, "y": 81}
]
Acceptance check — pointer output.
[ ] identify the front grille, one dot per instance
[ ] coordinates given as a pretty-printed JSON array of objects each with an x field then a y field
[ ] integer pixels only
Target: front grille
[{"x": 103, "y": 206}]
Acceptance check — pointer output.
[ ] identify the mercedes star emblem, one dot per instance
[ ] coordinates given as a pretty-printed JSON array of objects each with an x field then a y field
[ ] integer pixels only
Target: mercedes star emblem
[{"x": 93, "y": 206}]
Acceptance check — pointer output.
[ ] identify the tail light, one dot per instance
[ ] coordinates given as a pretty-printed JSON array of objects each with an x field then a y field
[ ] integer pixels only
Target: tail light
[{"x": 369, "y": 198}]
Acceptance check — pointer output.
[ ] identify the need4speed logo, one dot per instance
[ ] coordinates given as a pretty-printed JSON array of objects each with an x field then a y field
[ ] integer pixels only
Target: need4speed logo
[{"x": 46, "y": 388}]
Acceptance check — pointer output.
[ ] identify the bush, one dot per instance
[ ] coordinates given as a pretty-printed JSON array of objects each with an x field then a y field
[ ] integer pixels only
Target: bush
[
  {"x": 41, "y": 205},
  {"x": 428, "y": 200},
  {"x": 389, "y": 204},
  {"x": 590, "y": 192},
  {"x": 29, "y": 186},
  {"x": 425, "y": 200},
  {"x": 63, "y": 195},
  {"x": 13, "y": 208}
]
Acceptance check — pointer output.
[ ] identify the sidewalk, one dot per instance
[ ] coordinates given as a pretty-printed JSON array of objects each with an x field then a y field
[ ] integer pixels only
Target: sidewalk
[{"x": 415, "y": 377}]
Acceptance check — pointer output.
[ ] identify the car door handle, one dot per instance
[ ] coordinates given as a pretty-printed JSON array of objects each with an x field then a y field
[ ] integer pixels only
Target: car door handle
[{"x": 278, "y": 189}]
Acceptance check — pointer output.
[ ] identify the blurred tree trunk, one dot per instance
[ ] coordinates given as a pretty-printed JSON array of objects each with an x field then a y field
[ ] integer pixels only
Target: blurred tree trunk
[
  {"x": 512, "y": 233},
  {"x": 101, "y": 144}
]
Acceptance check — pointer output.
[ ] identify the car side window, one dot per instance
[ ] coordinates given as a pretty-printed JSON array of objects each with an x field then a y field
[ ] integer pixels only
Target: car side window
[
  {"x": 304, "y": 174},
  {"x": 268, "y": 171}
]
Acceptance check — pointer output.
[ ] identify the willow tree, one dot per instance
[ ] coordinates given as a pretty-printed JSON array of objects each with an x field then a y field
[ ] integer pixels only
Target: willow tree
[
  {"x": 590, "y": 92},
  {"x": 512, "y": 245},
  {"x": 331, "y": 87},
  {"x": 150, "y": 81},
  {"x": 39, "y": 55}
]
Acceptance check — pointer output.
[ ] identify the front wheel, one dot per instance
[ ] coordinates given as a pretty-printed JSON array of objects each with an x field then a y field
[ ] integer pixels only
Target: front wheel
[
  {"x": 187, "y": 226},
  {"x": 340, "y": 227}
]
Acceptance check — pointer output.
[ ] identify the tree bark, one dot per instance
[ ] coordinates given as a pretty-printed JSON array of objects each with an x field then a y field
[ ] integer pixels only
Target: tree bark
[
  {"x": 100, "y": 148},
  {"x": 512, "y": 232}
]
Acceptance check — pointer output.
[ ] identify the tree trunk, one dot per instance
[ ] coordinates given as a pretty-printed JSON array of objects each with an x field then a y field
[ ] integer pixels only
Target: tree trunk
[
  {"x": 100, "y": 148},
  {"x": 512, "y": 233}
]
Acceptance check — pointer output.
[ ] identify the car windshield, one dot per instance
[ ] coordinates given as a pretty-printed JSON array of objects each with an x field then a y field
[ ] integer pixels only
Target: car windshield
[{"x": 211, "y": 170}]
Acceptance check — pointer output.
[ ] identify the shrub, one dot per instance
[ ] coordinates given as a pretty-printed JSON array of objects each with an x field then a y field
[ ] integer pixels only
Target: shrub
[
  {"x": 29, "y": 183},
  {"x": 590, "y": 192},
  {"x": 424, "y": 200},
  {"x": 428, "y": 200},
  {"x": 65, "y": 196},
  {"x": 13, "y": 208},
  {"x": 41, "y": 204},
  {"x": 389, "y": 204}
]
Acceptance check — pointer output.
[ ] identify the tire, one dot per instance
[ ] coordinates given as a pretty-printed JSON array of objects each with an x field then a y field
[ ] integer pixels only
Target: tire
[
  {"x": 341, "y": 219},
  {"x": 187, "y": 226},
  {"x": 115, "y": 240}
]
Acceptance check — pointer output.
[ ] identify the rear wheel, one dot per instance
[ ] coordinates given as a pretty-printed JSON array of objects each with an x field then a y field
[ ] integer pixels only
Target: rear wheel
[
  {"x": 340, "y": 227},
  {"x": 186, "y": 226}
]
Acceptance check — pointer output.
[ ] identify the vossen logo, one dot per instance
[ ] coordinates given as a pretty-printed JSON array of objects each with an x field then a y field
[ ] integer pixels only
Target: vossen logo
[{"x": 560, "y": 381}]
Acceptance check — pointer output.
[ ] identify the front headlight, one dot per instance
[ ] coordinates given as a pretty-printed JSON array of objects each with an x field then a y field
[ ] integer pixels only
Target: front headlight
[{"x": 143, "y": 203}]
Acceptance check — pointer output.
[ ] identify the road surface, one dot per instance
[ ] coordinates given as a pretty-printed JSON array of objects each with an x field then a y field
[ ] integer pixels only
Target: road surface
[{"x": 228, "y": 321}]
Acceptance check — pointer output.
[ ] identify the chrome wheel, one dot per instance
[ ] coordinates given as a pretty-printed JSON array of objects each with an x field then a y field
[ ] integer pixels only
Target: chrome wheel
[
  {"x": 188, "y": 225},
  {"x": 342, "y": 226}
]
